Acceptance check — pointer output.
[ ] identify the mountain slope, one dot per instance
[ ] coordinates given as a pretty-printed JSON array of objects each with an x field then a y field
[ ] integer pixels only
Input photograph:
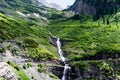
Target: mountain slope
[
  {"x": 98, "y": 8},
  {"x": 92, "y": 46},
  {"x": 26, "y": 35},
  {"x": 23, "y": 36},
  {"x": 88, "y": 39},
  {"x": 91, "y": 40},
  {"x": 51, "y": 5},
  {"x": 29, "y": 10}
]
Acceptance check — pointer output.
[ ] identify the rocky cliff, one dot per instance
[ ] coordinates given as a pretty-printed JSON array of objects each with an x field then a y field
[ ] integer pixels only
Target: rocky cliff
[
  {"x": 95, "y": 7},
  {"x": 83, "y": 8}
]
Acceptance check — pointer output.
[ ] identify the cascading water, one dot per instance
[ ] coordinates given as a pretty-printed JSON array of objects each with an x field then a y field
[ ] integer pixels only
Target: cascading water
[
  {"x": 60, "y": 50},
  {"x": 66, "y": 67},
  {"x": 66, "y": 72}
]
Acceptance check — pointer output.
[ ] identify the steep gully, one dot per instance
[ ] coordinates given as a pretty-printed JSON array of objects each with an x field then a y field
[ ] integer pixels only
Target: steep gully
[{"x": 67, "y": 68}]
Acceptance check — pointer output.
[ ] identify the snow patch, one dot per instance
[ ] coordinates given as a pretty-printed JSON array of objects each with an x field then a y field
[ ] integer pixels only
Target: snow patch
[
  {"x": 21, "y": 13},
  {"x": 28, "y": 15},
  {"x": 36, "y": 14}
]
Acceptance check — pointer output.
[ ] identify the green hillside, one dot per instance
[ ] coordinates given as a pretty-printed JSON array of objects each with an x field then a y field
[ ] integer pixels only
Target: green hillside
[
  {"x": 32, "y": 38},
  {"x": 86, "y": 38},
  {"x": 29, "y": 10},
  {"x": 89, "y": 36}
]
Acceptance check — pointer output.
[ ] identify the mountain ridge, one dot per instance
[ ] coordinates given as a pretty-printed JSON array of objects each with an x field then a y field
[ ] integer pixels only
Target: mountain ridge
[{"x": 51, "y": 5}]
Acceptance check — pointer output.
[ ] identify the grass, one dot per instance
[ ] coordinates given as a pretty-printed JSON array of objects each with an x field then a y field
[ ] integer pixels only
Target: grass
[
  {"x": 28, "y": 31},
  {"x": 27, "y": 65},
  {"x": 22, "y": 75},
  {"x": 30, "y": 7},
  {"x": 53, "y": 76},
  {"x": 2, "y": 78},
  {"x": 41, "y": 68},
  {"x": 30, "y": 37},
  {"x": 86, "y": 38}
]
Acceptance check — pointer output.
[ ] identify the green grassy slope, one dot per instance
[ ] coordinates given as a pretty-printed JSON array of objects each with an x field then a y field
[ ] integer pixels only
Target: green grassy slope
[
  {"x": 86, "y": 37},
  {"x": 32, "y": 38}
]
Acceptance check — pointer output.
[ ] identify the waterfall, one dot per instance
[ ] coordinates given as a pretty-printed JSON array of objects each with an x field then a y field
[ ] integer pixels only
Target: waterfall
[
  {"x": 67, "y": 69},
  {"x": 60, "y": 50},
  {"x": 66, "y": 72}
]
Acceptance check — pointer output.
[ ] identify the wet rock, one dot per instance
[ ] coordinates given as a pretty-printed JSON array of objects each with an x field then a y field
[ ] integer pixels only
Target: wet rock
[
  {"x": 58, "y": 71},
  {"x": 53, "y": 40}
]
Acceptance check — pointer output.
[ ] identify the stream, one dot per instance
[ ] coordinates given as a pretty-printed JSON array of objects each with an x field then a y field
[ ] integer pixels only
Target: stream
[{"x": 67, "y": 68}]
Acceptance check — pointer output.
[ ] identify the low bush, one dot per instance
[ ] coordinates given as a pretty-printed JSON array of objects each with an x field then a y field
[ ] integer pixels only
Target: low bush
[
  {"x": 27, "y": 65},
  {"x": 31, "y": 43},
  {"x": 40, "y": 53},
  {"x": 12, "y": 64},
  {"x": 41, "y": 68}
]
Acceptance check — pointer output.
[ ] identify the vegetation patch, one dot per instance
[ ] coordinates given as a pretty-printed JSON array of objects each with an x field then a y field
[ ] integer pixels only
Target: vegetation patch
[
  {"x": 40, "y": 53},
  {"x": 53, "y": 76},
  {"x": 31, "y": 43},
  {"x": 27, "y": 65},
  {"x": 97, "y": 68},
  {"x": 86, "y": 38},
  {"x": 28, "y": 36},
  {"x": 41, "y": 68},
  {"x": 18, "y": 71}
]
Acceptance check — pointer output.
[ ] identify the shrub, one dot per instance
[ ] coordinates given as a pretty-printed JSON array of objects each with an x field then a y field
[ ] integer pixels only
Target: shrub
[
  {"x": 74, "y": 57},
  {"x": 12, "y": 64},
  {"x": 2, "y": 50},
  {"x": 53, "y": 76},
  {"x": 83, "y": 65},
  {"x": 40, "y": 54},
  {"x": 25, "y": 66},
  {"x": 41, "y": 68},
  {"x": 9, "y": 62},
  {"x": 29, "y": 64},
  {"x": 31, "y": 43},
  {"x": 32, "y": 77},
  {"x": 16, "y": 67}
]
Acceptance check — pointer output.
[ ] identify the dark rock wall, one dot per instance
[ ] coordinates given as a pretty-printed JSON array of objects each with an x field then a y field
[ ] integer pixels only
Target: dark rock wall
[
  {"x": 97, "y": 8},
  {"x": 82, "y": 8}
]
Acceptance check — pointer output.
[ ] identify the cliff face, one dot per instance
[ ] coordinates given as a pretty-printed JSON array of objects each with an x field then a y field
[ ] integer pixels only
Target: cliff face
[
  {"x": 95, "y": 7},
  {"x": 83, "y": 8}
]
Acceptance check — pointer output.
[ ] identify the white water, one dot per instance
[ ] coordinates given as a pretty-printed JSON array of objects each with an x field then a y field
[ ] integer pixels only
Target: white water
[
  {"x": 60, "y": 50},
  {"x": 66, "y": 67},
  {"x": 66, "y": 73},
  {"x": 22, "y": 14}
]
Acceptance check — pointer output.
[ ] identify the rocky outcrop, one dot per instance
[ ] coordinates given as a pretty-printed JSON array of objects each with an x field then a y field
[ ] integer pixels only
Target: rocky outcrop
[
  {"x": 58, "y": 71},
  {"x": 6, "y": 72},
  {"x": 53, "y": 40},
  {"x": 83, "y": 8},
  {"x": 97, "y": 70}
]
